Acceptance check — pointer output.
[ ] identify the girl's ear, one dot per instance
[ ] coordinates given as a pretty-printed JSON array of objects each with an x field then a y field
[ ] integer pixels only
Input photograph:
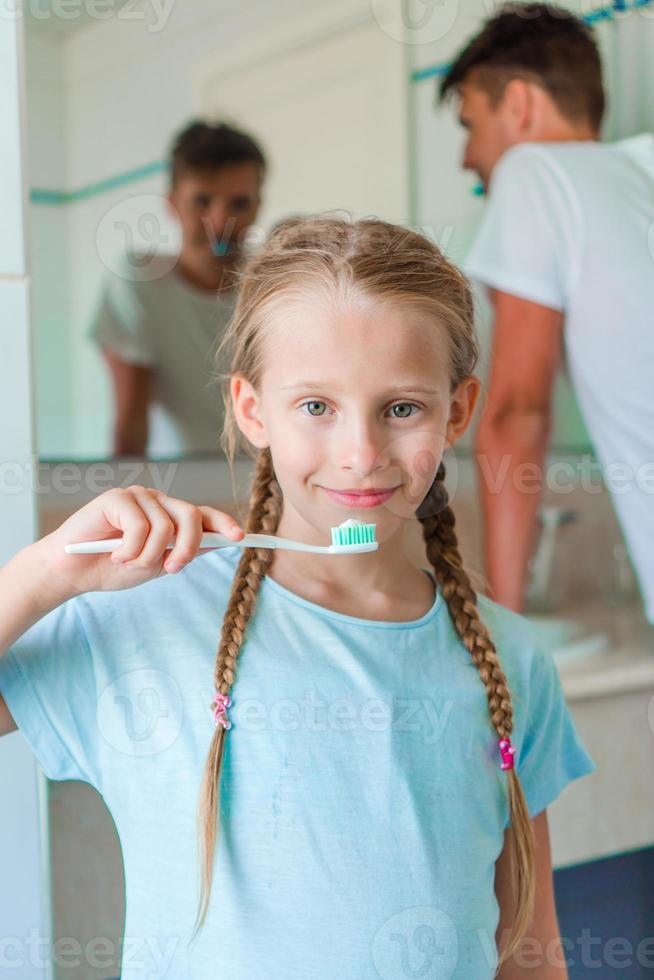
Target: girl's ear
[
  {"x": 462, "y": 407},
  {"x": 247, "y": 411}
]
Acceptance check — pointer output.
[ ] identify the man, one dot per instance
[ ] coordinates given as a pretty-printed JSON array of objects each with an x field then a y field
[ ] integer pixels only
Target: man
[
  {"x": 159, "y": 320},
  {"x": 565, "y": 249}
]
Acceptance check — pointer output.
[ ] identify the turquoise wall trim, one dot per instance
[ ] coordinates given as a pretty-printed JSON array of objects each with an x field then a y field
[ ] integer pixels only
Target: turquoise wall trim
[
  {"x": 604, "y": 13},
  {"x": 42, "y": 196}
]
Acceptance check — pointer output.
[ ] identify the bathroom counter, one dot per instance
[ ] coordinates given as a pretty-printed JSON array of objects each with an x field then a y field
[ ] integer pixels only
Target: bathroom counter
[{"x": 628, "y": 663}]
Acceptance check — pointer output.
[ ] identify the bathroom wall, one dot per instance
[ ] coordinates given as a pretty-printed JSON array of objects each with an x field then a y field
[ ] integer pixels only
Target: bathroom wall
[{"x": 24, "y": 895}]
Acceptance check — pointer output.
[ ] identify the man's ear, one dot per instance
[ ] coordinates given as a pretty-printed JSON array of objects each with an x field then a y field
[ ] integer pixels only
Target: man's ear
[
  {"x": 462, "y": 407},
  {"x": 247, "y": 411},
  {"x": 519, "y": 103}
]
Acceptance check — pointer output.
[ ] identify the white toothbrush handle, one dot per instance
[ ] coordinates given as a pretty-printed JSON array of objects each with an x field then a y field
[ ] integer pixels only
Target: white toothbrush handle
[{"x": 210, "y": 539}]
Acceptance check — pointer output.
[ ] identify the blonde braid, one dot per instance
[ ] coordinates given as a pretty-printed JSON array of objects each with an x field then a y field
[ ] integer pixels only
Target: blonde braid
[
  {"x": 264, "y": 512},
  {"x": 437, "y": 519}
]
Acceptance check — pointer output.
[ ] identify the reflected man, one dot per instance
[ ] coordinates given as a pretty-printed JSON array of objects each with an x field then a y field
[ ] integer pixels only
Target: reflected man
[{"x": 160, "y": 319}]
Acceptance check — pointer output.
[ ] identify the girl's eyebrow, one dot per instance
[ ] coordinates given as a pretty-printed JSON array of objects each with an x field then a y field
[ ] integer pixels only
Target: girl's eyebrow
[{"x": 322, "y": 386}]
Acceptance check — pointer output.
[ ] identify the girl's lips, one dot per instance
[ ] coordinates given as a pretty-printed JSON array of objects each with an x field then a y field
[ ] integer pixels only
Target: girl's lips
[{"x": 359, "y": 500}]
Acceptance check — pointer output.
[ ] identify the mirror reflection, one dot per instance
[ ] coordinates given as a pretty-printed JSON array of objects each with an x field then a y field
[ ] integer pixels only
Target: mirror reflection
[
  {"x": 143, "y": 202},
  {"x": 160, "y": 315}
]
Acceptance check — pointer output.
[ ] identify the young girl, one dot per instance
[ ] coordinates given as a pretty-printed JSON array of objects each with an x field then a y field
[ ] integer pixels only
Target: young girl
[{"x": 392, "y": 739}]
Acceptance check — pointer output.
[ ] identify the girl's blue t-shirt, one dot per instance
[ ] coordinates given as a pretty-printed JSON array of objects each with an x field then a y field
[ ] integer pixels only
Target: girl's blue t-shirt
[{"x": 362, "y": 802}]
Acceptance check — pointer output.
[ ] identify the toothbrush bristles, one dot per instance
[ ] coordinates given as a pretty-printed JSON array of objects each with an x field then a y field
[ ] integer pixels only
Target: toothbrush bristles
[{"x": 353, "y": 534}]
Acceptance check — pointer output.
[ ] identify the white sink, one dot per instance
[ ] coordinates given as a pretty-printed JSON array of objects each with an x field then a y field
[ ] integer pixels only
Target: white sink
[{"x": 568, "y": 640}]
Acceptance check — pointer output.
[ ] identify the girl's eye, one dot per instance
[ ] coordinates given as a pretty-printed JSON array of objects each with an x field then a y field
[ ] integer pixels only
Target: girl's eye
[
  {"x": 403, "y": 405},
  {"x": 313, "y": 405}
]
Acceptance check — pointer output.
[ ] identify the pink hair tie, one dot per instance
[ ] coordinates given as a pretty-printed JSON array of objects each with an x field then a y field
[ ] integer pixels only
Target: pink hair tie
[
  {"x": 221, "y": 702},
  {"x": 507, "y": 751}
]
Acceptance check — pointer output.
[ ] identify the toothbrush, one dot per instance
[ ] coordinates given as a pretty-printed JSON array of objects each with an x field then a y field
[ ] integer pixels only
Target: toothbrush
[{"x": 350, "y": 538}]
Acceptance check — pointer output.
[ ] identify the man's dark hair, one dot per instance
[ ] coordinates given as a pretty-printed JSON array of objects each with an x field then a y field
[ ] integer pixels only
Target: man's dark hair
[
  {"x": 203, "y": 146},
  {"x": 540, "y": 43}
]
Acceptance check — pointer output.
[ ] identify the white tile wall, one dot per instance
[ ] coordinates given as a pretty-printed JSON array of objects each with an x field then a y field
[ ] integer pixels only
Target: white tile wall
[
  {"x": 24, "y": 889},
  {"x": 12, "y": 238}
]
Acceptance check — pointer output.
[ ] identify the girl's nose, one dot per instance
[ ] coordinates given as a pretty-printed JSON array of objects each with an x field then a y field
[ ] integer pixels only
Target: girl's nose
[{"x": 360, "y": 451}]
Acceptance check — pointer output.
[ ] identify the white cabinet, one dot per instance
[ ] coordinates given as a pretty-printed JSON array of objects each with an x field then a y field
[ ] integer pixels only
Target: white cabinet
[{"x": 610, "y": 811}]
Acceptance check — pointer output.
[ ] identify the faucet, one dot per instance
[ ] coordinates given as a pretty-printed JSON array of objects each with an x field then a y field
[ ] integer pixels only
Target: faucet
[{"x": 541, "y": 563}]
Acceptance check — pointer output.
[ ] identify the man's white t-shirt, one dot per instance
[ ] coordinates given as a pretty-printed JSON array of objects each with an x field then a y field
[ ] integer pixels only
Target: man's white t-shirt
[
  {"x": 149, "y": 314},
  {"x": 570, "y": 225}
]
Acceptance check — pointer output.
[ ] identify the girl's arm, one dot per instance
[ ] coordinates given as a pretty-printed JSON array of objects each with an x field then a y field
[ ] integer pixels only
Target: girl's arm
[
  {"x": 42, "y": 575},
  {"x": 28, "y": 591},
  {"x": 540, "y": 953}
]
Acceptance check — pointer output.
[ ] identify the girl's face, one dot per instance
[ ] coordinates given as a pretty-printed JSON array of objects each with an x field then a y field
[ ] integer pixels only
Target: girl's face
[{"x": 353, "y": 399}]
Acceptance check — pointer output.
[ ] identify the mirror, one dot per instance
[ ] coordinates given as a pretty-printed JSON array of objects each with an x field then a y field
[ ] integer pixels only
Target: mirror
[{"x": 341, "y": 126}]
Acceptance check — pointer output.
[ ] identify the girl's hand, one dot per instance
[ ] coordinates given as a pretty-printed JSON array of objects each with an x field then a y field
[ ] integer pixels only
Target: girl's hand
[{"x": 148, "y": 520}]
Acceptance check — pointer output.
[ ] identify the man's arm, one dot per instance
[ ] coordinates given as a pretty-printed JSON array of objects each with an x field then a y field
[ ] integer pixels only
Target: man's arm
[
  {"x": 540, "y": 954},
  {"x": 512, "y": 438},
  {"x": 132, "y": 387}
]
